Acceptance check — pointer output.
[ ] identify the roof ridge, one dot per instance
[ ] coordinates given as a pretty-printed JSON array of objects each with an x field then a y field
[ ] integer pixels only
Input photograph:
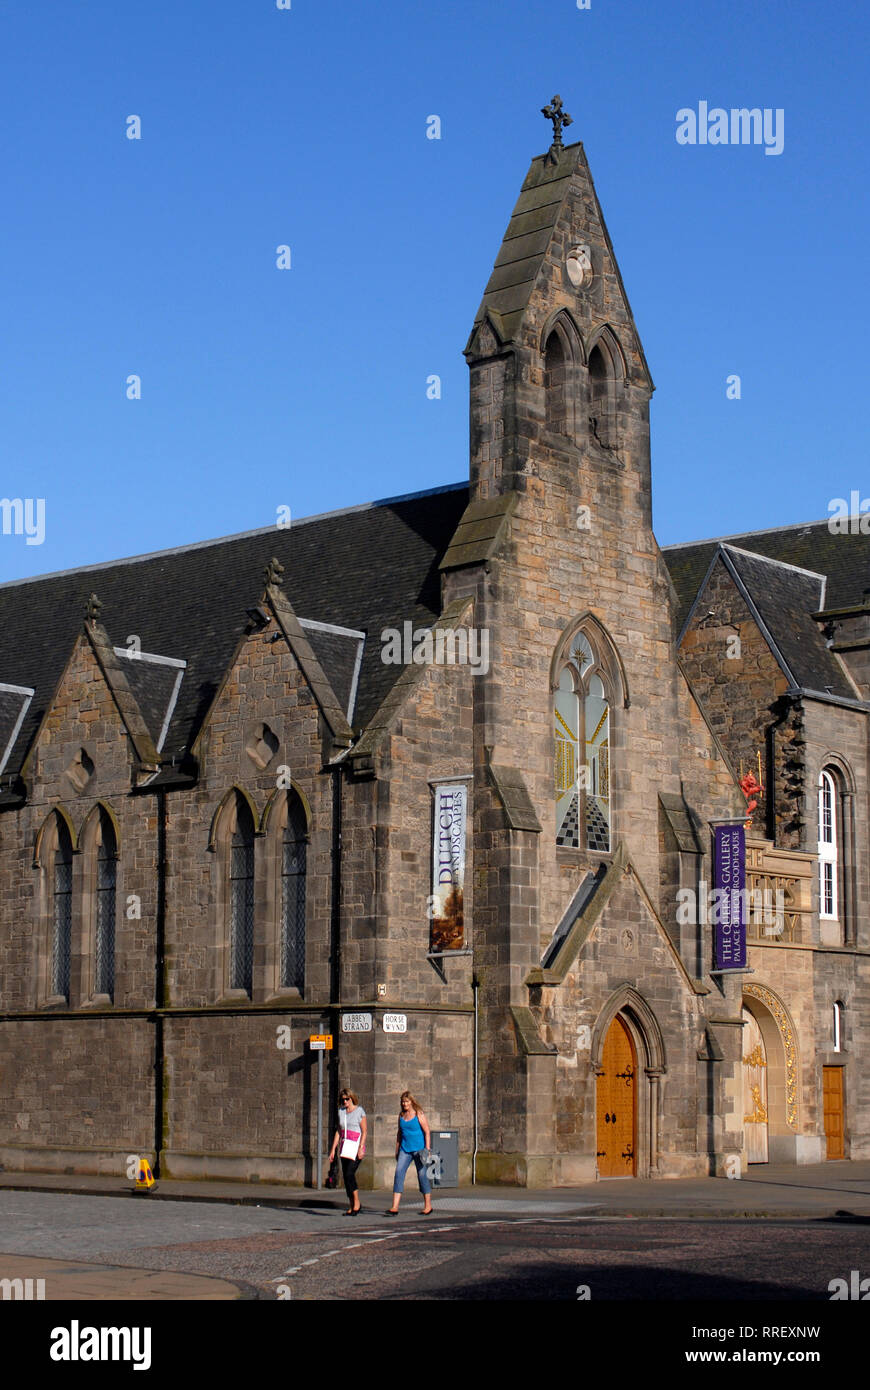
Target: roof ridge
[
  {"x": 741, "y": 535},
  {"x": 771, "y": 560},
  {"x": 235, "y": 536}
]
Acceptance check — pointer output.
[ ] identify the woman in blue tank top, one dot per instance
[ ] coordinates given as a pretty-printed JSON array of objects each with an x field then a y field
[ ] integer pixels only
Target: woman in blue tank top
[{"x": 412, "y": 1141}]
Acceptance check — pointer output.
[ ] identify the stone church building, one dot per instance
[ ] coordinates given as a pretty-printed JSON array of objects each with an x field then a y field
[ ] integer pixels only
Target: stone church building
[{"x": 438, "y": 777}]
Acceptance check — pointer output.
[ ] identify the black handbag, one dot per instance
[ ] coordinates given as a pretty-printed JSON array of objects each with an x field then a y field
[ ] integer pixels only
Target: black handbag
[{"x": 334, "y": 1174}]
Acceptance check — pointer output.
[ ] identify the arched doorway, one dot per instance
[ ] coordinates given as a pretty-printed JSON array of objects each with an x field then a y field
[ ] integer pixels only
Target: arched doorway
[
  {"x": 616, "y": 1104},
  {"x": 627, "y": 1038},
  {"x": 754, "y": 1091},
  {"x": 771, "y": 1125}
]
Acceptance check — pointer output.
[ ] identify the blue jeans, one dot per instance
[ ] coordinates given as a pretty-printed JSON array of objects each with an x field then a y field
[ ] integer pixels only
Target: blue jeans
[{"x": 403, "y": 1163}]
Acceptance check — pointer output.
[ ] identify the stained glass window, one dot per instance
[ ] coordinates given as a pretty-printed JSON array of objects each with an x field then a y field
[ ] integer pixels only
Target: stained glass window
[{"x": 582, "y": 753}]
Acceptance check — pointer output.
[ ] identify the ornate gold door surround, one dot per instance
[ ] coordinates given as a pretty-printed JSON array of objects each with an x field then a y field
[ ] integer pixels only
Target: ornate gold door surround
[{"x": 754, "y": 1091}]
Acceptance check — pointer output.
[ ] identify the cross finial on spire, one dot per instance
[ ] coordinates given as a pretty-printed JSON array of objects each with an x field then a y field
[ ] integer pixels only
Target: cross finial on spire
[
  {"x": 274, "y": 572},
  {"x": 554, "y": 113},
  {"x": 93, "y": 609}
]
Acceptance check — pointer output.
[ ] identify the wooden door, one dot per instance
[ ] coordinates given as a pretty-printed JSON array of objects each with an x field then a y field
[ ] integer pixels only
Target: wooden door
[
  {"x": 832, "y": 1091},
  {"x": 616, "y": 1105},
  {"x": 754, "y": 1091}
]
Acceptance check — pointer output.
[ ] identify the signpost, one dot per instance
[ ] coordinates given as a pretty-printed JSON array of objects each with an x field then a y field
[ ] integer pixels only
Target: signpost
[{"x": 320, "y": 1043}]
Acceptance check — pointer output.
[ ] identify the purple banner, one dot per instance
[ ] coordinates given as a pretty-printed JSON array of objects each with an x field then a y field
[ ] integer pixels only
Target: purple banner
[{"x": 729, "y": 884}]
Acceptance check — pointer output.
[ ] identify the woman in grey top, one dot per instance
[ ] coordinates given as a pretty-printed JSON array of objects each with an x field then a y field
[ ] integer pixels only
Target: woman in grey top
[{"x": 351, "y": 1135}]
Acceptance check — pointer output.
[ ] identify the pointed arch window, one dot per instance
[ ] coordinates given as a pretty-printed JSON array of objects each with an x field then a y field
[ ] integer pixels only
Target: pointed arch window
[
  {"x": 106, "y": 886},
  {"x": 62, "y": 883},
  {"x": 567, "y": 732},
  {"x": 582, "y": 738},
  {"x": 294, "y": 841},
  {"x": 241, "y": 898},
  {"x": 601, "y": 397},
  {"x": 556, "y": 384}
]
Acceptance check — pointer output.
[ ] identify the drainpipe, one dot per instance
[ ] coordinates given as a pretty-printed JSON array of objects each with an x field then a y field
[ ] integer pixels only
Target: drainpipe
[
  {"x": 475, "y": 985},
  {"x": 335, "y": 892},
  {"x": 335, "y": 929},
  {"x": 159, "y": 979}
]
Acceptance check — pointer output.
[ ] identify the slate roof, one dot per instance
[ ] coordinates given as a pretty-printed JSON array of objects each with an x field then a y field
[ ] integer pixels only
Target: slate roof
[
  {"x": 785, "y": 597},
  {"x": 155, "y": 685},
  {"x": 364, "y": 568},
  {"x": 340, "y": 654},
  {"x": 13, "y": 703},
  {"x": 843, "y": 560}
]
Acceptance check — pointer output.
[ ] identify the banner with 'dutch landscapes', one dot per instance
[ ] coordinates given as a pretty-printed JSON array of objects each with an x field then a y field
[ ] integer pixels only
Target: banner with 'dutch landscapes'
[{"x": 447, "y": 930}]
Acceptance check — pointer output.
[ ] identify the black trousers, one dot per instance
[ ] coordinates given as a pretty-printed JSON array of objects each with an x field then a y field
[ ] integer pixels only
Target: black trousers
[{"x": 348, "y": 1172}]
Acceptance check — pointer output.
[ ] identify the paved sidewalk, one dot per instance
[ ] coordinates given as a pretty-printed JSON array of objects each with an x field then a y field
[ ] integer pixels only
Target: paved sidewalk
[
  {"x": 823, "y": 1189},
  {"x": 73, "y": 1281}
]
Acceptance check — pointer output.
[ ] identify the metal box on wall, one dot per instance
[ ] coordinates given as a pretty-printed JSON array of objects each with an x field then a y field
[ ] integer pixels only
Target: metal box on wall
[{"x": 443, "y": 1167}]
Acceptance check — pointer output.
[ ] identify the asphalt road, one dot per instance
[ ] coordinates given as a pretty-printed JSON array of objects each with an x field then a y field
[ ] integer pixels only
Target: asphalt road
[{"x": 318, "y": 1254}]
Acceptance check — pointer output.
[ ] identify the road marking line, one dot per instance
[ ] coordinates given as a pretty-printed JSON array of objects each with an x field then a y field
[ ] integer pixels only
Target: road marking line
[{"x": 379, "y": 1238}]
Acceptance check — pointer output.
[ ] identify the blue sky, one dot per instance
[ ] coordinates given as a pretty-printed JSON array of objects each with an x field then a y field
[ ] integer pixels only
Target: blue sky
[{"x": 306, "y": 388}]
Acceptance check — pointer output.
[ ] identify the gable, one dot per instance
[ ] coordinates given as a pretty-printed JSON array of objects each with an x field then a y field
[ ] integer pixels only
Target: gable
[
  {"x": 777, "y": 600},
  {"x": 844, "y": 560},
  {"x": 82, "y": 718},
  {"x": 263, "y": 689}
]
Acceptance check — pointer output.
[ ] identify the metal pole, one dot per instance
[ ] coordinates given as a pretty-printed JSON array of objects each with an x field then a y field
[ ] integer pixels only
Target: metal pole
[
  {"x": 475, "y": 985},
  {"x": 320, "y": 1119}
]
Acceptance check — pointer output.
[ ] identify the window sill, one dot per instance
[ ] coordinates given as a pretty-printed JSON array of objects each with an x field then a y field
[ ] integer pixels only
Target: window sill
[
  {"x": 566, "y": 855},
  {"x": 234, "y": 996}
]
